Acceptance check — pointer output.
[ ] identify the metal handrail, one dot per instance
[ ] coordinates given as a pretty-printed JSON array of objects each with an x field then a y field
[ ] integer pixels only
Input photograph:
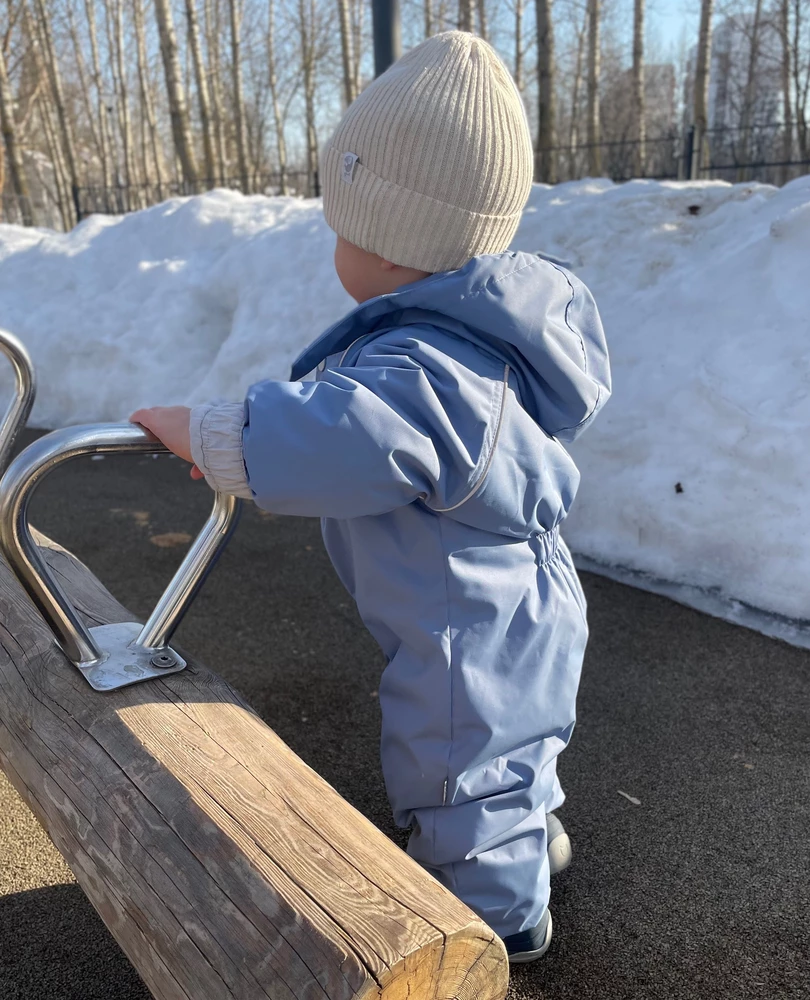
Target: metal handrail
[
  {"x": 141, "y": 652},
  {"x": 16, "y": 415}
]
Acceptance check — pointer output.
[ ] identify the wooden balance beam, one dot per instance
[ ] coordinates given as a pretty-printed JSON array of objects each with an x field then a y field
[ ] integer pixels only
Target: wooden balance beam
[{"x": 223, "y": 865}]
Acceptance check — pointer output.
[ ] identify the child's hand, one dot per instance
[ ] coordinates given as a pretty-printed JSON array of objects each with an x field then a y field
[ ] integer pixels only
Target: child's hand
[{"x": 169, "y": 424}]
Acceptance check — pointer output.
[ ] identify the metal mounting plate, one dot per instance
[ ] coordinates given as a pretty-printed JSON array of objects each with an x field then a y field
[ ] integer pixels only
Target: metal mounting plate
[{"x": 125, "y": 663}]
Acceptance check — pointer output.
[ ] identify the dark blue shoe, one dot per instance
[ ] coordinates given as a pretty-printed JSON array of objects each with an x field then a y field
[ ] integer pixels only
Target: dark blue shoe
[{"x": 527, "y": 946}]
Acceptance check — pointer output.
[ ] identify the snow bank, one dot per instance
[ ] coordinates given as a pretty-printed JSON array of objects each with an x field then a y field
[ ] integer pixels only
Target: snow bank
[{"x": 696, "y": 476}]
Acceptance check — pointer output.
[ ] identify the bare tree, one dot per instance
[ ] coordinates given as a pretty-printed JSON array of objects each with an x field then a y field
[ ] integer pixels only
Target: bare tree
[
  {"x": 701, "y": 110},
  {"x": 483, "y": 27},
  {"x": 787, "y": 97},
  {"x": 639, "y": 112},
  {"x": 238, "y": 95},
  {"x": 519, "y": 45},
  {"x": 178, "y": 110},
  {"x": 148, "y": 103},
  {"x": 594, "y": 63},
  {"x": 115, "y": 30},
  {"x": 801, "y": 79},
  {"x": 103, "y": 119},
  {"x": 65, "y": 124},
  {"x": 427, "y": 10},
  {"x": 214, "y": 78},
  {"x": 19, "y": 184},
  {"x": 573, "y": 125},
  {"x": 466, "y": 15},
  {"x": 306, "y": 30},
  {"x": 545, "y": 163},
  {"x": 202, "y": 92},
  {"x": 346, "y": 51},
  {"x": 281, "y": 144},
  {"x": 749, "y": 96}
]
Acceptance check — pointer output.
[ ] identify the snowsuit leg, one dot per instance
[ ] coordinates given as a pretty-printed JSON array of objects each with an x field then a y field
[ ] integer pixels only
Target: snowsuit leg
[{"x": 477, "y": 804}]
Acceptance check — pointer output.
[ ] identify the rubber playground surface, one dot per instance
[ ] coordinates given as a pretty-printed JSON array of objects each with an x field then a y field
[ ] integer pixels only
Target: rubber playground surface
[{"x": 702, "y": 889}]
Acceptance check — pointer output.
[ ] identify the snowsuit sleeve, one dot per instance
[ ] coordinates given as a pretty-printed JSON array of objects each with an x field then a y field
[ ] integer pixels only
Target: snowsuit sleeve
[{"x": 404, "y": 422}]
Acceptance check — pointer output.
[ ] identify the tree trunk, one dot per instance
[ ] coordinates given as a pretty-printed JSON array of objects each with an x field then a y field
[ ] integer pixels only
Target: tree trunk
[
  {"x": 466, "y": 15},
  {"x": 519, "y": 45},
  {"x": 801, "y": 84},
  {"x": 103, "y": 122},
  {"x": 306, "y": 26},
  {"x": 787, "y": 100},
  {"x": 64, "y": 199},
  {"x": 594, "y": 130},
  {"x": 87, "y": 100},
  {"x": 573, "y": 128},
  {"x": 281, "y": 145},
  {"x": 545, "y": 165},
  {"x": 346, "y": 51},
  {"x": 702, "y": 70},
  {"x": 19, "y": 184},
  {"x": 749, "y": 97},
  {"x": 212, "y": 42},
  {"x": 639, "y": 110},
  {"x": 483, "y": 28},
  {"x": 202, "y": 93},
  {"x": 181, "y": 125},
  {"x": 147, "y": 100},
  {"x": 124, "y": 120},
  {"x": 238, "y": 95},
  {"x": 64, "y": 122},
  {"x": 358, "y": 8},
  {"x": 427, "y": 10}
]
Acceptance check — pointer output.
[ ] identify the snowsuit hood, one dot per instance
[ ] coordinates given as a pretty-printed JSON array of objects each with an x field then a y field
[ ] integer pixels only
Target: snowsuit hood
[{"x": 523, "y": 307}]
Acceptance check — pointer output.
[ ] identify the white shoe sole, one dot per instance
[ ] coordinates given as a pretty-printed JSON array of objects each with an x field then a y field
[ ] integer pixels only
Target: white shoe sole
[{"x": 559, "y": 853}]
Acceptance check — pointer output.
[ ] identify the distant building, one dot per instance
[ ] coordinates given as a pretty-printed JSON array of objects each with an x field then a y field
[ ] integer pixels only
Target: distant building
[{"x": 728, "y": 75}]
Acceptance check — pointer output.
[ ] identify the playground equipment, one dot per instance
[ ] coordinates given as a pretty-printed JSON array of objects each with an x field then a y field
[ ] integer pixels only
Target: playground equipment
[{"x": 222, "y": 864}]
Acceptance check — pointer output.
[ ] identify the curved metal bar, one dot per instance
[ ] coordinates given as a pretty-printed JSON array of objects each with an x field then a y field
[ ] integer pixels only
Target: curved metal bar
[
  {"x": 19, "y": 408},
  {"x": 21, "y": 479}
]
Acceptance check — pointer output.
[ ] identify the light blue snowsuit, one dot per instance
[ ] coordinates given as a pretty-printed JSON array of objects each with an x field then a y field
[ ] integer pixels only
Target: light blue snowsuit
[{"x": 431, "y": 446}]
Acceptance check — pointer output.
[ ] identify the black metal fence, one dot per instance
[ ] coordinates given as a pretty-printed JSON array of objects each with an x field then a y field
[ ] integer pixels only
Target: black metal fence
[{"x": 762, "y": 152}]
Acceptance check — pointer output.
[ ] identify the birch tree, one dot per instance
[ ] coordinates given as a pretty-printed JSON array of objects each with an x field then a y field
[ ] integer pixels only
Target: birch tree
[
  {"x": 749, "y": 96},
  {"x": 214, "y": 79},
  {"x": 203, "y": 102},
  {"x": 19, "y": 184},
  {"x": 701, "y": 109},
  {"x": 65, "y": 125},
  {"x": 594, "y": 137},
  {"x": 103, "y": 118},
  {"x": 639, "y": 111},
  {"x": 346, "y": 51},
  {"x": 178, "y": 110},
  {"x": 787, "y": 96},
  {"x": 238, "y": 95},
  {"x": 148, "y": 103},
  {"x": 545, "y": 154},
  {"x": 306, "y": 30},
  {"x": 466, "y": 15},
  {"x": 278, "y": 119}
]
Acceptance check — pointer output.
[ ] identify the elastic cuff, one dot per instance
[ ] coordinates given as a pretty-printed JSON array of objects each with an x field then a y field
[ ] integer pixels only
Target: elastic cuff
[{"x": 216, "y": 447}]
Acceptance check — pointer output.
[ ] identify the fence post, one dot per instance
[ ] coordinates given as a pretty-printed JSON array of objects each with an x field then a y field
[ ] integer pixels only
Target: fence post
[{"x": 387, "y": 38}]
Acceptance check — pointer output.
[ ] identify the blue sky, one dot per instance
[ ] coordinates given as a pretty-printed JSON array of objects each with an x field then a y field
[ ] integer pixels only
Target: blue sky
[{"x": 668, "y": 18}]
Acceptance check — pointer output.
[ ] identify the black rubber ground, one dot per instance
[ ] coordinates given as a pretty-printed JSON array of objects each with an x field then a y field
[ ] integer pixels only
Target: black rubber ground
[{"x": 702, "y": 890}]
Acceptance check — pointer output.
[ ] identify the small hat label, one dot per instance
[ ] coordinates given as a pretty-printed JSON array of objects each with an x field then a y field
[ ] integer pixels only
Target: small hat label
[{"x": 349, "y": 161}]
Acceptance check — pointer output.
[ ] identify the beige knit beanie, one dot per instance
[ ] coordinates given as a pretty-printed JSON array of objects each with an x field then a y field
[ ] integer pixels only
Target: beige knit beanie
[{"x": 432, "y": 164}]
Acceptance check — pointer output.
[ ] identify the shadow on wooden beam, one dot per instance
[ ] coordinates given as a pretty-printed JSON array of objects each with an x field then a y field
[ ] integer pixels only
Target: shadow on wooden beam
[{"x": 223, "y": 865}]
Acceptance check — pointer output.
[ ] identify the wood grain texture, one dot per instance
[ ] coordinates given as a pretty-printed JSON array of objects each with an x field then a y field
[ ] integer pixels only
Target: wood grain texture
[{"x": 223, "y": 865}]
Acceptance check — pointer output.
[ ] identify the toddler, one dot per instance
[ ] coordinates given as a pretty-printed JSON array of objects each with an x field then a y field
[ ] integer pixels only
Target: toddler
[{"x": 431, "y": 443}]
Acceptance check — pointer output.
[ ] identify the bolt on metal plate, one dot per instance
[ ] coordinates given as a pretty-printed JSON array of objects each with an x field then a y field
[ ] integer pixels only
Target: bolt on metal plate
[{"x": 125, "y": 663}]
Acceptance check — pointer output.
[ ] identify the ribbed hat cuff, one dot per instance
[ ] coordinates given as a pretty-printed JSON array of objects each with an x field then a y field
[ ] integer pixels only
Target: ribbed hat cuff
[{"x": 406, "y": 227}]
